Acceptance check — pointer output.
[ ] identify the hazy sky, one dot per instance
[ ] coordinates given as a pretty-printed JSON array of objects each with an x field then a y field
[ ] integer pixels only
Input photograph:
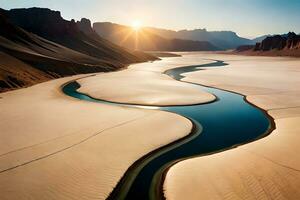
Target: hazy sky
[{"x": 249, "y": 18}]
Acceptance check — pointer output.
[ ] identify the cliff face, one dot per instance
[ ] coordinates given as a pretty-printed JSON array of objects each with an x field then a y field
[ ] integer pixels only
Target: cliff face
[
  {"x": 85, "y": 26},
  {"x": 42, "y": 21},
  {"x": 278, "y": 42},
  {"x": 293, "y": 41},
  {"x": 77, "y": 36},
  {"x": 38, "y": 44},
  {"x": 277, "y": 45}
]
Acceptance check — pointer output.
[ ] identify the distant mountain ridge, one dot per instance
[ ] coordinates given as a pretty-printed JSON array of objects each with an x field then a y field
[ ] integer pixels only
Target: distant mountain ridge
[
  {"x": 221, "y": 39},
  {"x": 260, "y": 38},
  {"x": 147, "y": 40}
]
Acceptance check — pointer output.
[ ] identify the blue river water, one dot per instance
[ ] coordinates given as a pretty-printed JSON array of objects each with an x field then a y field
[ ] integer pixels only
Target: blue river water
[{"x": 227, "y": 122}]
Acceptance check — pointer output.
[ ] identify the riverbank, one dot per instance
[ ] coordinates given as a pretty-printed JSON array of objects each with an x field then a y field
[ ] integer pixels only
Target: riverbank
[
  {"x": 267, "y": 168},
  {"x": 141, "y": 87},
  {"x": 77, "y": 147},
  {"x": 56, "y": 147},
  {"x": 140, "y": 176}
]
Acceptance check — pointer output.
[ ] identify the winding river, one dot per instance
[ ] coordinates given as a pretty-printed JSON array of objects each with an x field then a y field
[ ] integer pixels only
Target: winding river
[{"x": 225, "y": 123}]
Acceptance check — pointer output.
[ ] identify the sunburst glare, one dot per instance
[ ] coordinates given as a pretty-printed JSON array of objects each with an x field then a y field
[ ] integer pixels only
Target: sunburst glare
[{"x": 136, "y": 25}]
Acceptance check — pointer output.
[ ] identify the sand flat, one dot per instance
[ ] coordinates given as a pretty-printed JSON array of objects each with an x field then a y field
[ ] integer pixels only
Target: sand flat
[
  {"x": 145, "y": 88},
  {"x": 266, "y": 169},
  {"x": 148, "y": 86},
  {"x": 56, "y": 147}
]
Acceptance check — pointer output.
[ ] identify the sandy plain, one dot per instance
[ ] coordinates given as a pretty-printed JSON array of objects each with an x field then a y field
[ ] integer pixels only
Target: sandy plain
[
  {"x": 265, "y": 169},
  {"x": 144, "y": 87},
  {"x": 55, "y": 147}
]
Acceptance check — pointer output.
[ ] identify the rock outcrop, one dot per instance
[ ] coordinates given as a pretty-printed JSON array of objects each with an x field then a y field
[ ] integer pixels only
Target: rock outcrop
[
  {"x": 42, "y": 21},
  {"x": 38, "y": 44},
  {"x": 276, "y": 45},
  {"x": 85, "y": 26},
  {"x": 50, "y": 25},
  {"x": 279, "y": 42}
]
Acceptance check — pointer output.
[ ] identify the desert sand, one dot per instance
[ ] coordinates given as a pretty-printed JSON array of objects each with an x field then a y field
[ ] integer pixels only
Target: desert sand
[
  {"x": 55, "y": 147},
  {"x": 27, "y": 75},
  {"x": 142, "y": 87},
  {"x": 265, "y": 169}
]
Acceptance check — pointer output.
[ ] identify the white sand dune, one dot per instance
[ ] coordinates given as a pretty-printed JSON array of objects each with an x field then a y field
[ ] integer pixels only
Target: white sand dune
[
  {"x": 55, "y": 147},
  {"x": 266, "y": 169}
]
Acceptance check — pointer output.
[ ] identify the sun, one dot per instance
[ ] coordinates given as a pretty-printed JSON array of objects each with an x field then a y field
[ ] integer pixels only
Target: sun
[{"x": 136, "y": 25}]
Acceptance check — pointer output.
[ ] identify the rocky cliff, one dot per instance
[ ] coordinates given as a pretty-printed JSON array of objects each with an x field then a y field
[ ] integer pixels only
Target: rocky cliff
[
  {"x": 38, "y": 44},
  {"x": 276, "y": 45},
  {"x": 279, "y": 42},
  {"x": 50, "y": 25}
]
